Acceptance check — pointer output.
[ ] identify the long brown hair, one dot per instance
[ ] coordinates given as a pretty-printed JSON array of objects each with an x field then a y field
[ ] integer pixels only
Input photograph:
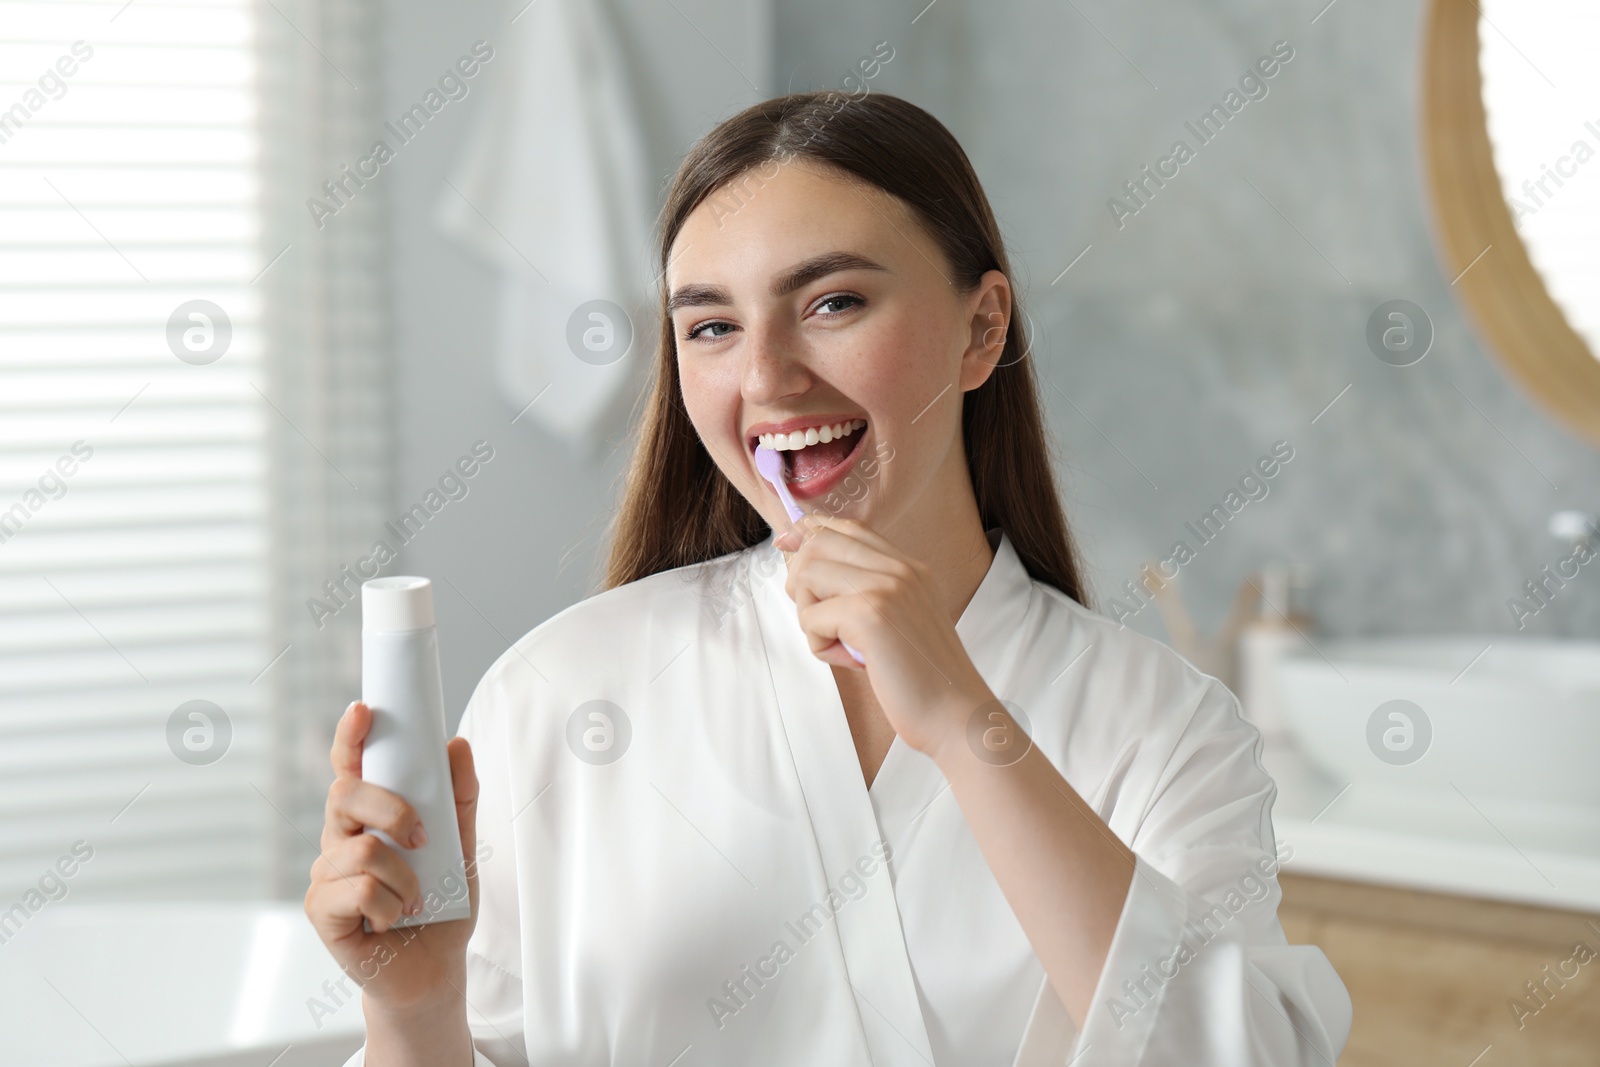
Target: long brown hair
[{"x": 677, "y": 508}]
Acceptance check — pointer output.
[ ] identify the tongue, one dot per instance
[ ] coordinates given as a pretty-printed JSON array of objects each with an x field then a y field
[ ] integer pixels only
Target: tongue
[{"x": 813, "y": 460}]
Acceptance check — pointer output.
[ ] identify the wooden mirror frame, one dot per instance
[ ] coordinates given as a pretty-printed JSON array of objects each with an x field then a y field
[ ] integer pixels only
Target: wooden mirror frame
[{"x": 1503, "y": 293}]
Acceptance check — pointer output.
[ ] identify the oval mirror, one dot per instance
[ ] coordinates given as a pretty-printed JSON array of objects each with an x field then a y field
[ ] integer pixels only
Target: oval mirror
[{"x": 1511, "y": 140}]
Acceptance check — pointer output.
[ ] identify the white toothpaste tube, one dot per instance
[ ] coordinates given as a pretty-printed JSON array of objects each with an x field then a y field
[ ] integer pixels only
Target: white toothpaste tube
[{"x": 405, "y": 749}]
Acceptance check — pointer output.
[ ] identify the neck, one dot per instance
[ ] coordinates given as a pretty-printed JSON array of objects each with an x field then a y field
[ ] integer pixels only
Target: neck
[{"x": 944, "y": 531}]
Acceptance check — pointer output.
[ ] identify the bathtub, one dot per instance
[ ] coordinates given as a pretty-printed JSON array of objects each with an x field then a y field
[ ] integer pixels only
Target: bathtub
[{"x": 197, "y": 985}]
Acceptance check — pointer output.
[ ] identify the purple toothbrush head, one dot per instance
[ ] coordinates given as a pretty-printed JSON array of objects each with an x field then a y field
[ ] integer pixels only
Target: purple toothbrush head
[{"x": 770, "y": 464}]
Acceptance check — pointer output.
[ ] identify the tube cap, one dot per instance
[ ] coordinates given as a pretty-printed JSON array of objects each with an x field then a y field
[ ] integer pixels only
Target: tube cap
[{"x": 396, "y": 603}]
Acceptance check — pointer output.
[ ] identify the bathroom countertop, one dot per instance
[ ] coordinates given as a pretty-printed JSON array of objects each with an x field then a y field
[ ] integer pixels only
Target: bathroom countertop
[{"x": 1438, "y": 840}]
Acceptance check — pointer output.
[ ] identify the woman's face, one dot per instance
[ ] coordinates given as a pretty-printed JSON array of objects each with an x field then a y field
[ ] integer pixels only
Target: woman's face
[{"x": 807, "y": 300}]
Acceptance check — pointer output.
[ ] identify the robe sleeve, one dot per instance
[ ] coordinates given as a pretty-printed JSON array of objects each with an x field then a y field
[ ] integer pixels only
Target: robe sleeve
[
  {"x": 494, "y": 982},
  {"x": 1199, "y": 972}
]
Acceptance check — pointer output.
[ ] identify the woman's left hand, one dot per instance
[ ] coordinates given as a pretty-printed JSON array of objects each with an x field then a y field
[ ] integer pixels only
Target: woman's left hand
[{"x": 851, "y": 584}]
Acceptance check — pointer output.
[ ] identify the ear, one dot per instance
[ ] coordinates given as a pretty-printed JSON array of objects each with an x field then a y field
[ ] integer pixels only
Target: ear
[{"x": 990, "y": 310}]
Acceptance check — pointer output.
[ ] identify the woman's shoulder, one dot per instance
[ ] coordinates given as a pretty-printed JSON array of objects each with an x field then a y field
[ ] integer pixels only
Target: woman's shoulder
[
  {"x": 1129, "y": 718},
  {"x": 1154, "y": 684}
]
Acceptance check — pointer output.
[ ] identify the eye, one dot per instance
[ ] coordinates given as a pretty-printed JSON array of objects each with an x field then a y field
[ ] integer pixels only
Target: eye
[
  {"x": 848, "y": 299},
  {"x": 694, "y": 333}
]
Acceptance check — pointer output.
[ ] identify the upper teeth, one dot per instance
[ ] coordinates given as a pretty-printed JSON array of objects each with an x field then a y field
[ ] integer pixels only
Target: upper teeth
[{"x": 780, "y": 442}]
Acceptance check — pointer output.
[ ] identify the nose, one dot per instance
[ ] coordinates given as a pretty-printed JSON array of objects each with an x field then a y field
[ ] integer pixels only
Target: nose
[{"x": 773, "y": 367}]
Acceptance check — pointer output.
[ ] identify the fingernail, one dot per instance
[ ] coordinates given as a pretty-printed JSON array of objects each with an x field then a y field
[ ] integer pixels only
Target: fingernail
[
  {"x": 416, "y": 906},
  {"x": 419, "y": 837}
]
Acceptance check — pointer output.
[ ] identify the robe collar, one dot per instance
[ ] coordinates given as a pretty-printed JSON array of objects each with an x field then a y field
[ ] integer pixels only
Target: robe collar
[
  {"x": 988, "y": 625},
  {"x": 989, "y": 628},
  {"x": 846, "y": 819}
]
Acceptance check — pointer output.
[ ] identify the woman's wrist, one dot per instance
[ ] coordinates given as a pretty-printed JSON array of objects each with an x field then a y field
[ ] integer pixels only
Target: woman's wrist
[
  {"x": 432, "y": 1033},
  {"x": 978, "y": 733},
  {"x": 954, "y": 720}
]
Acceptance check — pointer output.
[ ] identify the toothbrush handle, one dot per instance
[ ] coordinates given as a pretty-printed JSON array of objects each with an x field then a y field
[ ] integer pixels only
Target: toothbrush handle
[{"x": 794, "y": 516}]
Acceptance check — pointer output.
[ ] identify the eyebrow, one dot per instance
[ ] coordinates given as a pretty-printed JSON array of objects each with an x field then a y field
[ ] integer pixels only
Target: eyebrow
[{"x": 806, "y": 271}]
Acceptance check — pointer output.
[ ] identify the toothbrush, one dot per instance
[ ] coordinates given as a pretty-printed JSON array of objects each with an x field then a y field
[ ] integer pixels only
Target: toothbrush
[{"x": 770, "y": 464}]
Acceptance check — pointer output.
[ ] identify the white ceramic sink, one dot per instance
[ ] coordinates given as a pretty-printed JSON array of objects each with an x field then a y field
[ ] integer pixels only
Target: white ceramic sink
[
  {"x": 1480, "y": 782},
  {"x": 1511, "y": 719}
]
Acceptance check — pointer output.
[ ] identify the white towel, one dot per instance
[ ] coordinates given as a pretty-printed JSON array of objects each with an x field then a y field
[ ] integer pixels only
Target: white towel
[{"x": 554, "y": 187}]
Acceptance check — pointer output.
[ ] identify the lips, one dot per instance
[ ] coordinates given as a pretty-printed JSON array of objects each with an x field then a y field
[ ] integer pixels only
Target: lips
[{"x": 812, "y": 469}]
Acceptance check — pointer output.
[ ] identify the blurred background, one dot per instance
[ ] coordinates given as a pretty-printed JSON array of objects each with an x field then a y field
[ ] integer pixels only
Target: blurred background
[{"x": 248, "y": 357}]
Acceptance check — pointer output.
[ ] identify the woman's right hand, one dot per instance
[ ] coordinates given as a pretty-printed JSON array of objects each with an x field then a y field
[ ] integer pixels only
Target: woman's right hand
[{"x": 410, "y": 970}]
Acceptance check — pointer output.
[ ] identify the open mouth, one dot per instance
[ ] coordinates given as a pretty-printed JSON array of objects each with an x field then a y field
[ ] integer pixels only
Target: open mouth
[{"x": 815, "y": 458}]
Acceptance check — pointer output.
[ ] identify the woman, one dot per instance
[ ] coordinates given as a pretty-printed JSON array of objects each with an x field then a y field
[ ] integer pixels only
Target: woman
[{"x": 1015, "y": 834}]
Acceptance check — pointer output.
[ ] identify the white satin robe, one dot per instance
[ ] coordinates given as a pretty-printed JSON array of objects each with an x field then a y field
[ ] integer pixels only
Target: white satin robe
[{"x": 718, "y": 893}]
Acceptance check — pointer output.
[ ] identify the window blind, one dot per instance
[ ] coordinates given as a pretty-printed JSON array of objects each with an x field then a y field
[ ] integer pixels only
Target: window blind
[{"x": 168, "y": 392}]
